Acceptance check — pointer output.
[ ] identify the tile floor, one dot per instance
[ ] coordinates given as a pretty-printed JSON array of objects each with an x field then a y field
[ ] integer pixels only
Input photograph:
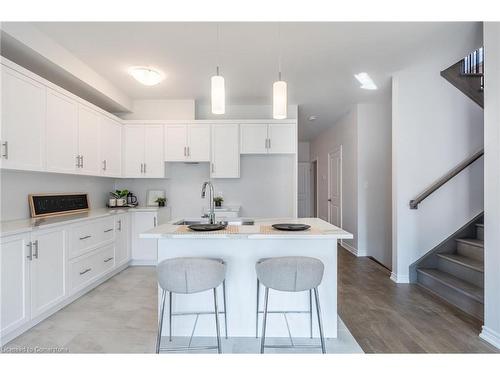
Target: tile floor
[{"x": 119, "y": 316}]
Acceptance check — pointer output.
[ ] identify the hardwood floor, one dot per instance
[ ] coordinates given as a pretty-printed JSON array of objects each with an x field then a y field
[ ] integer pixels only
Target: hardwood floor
[{"x": 385, "y": 317}]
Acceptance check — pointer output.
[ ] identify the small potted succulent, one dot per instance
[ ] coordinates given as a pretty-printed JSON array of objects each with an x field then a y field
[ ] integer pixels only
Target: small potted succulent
[
  {"x": 218, "y": 201},
  {"x": 161, "y": 201}
]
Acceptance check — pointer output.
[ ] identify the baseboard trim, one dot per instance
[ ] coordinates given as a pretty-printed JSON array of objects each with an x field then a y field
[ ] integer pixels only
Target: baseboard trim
[
  {"x": 140, "y": 262},
  {"x": 350, "y": 248},
  {"x": 490, "y": 336},
  {"x": 400, "y": 279}
]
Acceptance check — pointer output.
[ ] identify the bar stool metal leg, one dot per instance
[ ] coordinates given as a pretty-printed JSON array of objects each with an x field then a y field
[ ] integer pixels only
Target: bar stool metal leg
[
  {"x": 310, "y": 313},
  {"x": 219, "y": 347},
  {"x": 257, "y": 311},
  {"x": 320, "y": 323},
  {"x": 169, "y": 316},
  {"x": 225, "y": 306},
  {"x": 264, "y": 321},
  {"x": 160, "y": 320}
]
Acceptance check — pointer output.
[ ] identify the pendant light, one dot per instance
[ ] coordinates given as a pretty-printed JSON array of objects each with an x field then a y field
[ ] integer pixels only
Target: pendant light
[
  {"x": 280, "y": 104},
  {"x": 218, "y": 92}
]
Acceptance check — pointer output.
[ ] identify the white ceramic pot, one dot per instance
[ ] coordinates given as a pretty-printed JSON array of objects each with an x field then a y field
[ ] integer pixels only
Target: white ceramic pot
[
  {"x": 112, "y": 202},
  {"x": 121, "y": 202}
]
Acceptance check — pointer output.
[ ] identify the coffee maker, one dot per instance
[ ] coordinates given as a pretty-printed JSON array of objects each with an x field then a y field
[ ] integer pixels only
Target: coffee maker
[{"x": 132, "y": 199}]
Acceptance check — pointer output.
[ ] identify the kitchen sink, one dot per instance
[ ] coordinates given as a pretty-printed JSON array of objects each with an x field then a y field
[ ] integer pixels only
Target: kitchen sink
[{"x": 229, "y": 221}]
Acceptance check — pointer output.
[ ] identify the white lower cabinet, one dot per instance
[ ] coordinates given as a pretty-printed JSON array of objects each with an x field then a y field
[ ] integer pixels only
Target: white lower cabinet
[
  {"x": 48, "y": 262},
  {"x": 144, "y": 250},
  {"x": 14, "y": 292},
  {"x": 86, "y": 269},
  {"x": 122, "y": 248}
]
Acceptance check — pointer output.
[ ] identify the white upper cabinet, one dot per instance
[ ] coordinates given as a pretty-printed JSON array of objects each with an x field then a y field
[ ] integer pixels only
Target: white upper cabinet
[
  {"x": 89, "y": 141},
  {"x": 253, "y": 138},
  {"x": 111, "y": 147},
  {"x": 187, "y": 142},
  {"x": 176, "y": 141},
  {"x": 225, "y": 151},
  {"x": 154, "y": 164},
  {"x": 144, "y": 151},
  {"x": 282, "y": 138},
  {"x": 268, "y": 138},
  {"x": 23, "y": 122},
  {"x": 61, "y": 133}
]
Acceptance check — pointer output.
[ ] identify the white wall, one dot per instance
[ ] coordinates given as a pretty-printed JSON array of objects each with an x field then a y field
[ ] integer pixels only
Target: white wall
[
  {"x": 342, "y": 133},
  {"x": 265, "y": 188},
  {"x": 374, "y": 180},
  {"x": 162, "y": 109},
  {"x": 304, "y": 151},
  {"x": 434, "y": 127},
  {"x": 16, "y": 185},
  {"x": 491, "y": 328}
]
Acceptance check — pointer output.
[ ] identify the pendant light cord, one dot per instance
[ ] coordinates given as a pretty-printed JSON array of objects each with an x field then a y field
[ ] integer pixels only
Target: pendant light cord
[
  {"x": 218, "y": 49},
  {"x": 279, "y": 52}
]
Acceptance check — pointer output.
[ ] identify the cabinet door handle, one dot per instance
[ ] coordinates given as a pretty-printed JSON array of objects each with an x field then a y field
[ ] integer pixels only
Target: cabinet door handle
[
  {"x": 104, "y": 166},
  {"x": 87, "y": 270},
  {"x": 35, "y": 245},
  {"x": 6, "y": 149},
  {"x": 108, "y": 230},
  {"x": 266, "y": 144},
  {"x": 81, "y": 160},
  {"x": 30, "y": 254},
  {"x": 154, "y": 221},
  {"x": 120, "y": 225},
  {"x": 213, "y": 168},
  {"x": 85, "y": 237},
  {"x": 78, "y": 161},
  {"x": 185, "y": 154},
  {"x": 145, "y": 167},
  {"x": 108, "y": 259},
  {"x": 189, "y": 151},
  {"x": 269, "y": 143},
  {"x": 142, "y": 168}
]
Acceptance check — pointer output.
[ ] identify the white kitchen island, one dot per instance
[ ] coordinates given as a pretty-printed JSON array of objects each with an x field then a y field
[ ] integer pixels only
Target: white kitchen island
[{"x": 241, "y": 247}]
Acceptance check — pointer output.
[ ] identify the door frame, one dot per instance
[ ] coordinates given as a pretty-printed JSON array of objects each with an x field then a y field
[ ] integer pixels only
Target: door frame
[
  {"x": 334, "y": 151},
  {"x": 315, "y": 194}
]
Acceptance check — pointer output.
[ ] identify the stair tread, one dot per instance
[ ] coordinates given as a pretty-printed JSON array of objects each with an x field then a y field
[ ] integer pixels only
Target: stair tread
[
  {"x": 471, "y": 241},
  {"x": 465, "y": 261},
  {"x": 454, "y": 282}
]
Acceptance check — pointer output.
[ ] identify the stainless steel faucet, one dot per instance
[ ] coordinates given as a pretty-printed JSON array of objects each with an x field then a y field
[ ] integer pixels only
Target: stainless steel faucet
[{"x": 211, "y": 214}]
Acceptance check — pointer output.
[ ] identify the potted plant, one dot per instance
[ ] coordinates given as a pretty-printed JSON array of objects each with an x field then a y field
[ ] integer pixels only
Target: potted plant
[
  {"x": 218, "y": 201},
  {"x": 121, "y": 197},
  {"x": 161, "y": 201}
]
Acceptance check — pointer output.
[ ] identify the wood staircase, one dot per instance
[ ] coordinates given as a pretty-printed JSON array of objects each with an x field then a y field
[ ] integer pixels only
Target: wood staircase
[{"x": 458, "y": 277}]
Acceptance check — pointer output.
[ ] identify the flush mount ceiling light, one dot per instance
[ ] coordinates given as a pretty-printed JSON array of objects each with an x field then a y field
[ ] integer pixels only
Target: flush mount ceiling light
[
  {"x": 280, "y": 104},
  {"x": 146, "y": 75},
  {"x": 218, "y": 91},
  {"x": 366, "y": 81}
]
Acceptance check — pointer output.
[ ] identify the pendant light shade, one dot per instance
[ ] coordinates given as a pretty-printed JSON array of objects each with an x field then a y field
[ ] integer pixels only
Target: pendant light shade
[
  {"x": 218, "y": 94},
  {"x": 279, "y": 100}
]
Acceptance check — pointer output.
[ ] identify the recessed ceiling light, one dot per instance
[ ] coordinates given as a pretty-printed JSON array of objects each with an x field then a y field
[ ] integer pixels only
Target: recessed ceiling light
[
  {"x": 146, "y": 75},
  {"x": 313, "y": 118},
  {"x": 366, "y": 81}
]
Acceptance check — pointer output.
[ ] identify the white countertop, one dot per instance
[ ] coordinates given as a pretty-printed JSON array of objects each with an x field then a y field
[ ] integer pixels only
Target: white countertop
[
  {"x": 320, "y": 229},
  {"x": 11, "y": 227}
]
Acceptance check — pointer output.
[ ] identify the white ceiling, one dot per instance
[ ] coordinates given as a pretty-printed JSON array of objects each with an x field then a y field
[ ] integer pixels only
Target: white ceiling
[{"x": 318, "y": 59}]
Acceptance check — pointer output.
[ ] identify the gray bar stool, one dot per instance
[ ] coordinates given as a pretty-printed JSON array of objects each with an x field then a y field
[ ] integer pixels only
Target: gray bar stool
[
  {"x": 290, "y": 274},
  {"x": 187, "y": 276}
]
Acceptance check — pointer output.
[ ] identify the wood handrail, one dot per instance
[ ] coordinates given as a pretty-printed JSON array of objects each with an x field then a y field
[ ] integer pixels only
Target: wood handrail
[{"x": 443, "y": 180}]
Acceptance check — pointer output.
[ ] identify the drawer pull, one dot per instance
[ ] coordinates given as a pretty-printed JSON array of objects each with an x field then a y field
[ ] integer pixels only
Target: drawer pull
[
  {"x": 87, "y": 270},
  {"x": 107, "y": 260},
  {"x": 108, "y": 230},
  {"x": 85, "y": 237}
]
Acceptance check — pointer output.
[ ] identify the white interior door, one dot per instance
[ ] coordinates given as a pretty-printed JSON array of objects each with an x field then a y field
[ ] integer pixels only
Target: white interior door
[
  {"x": 89, "y": 138},
  {"x": 199, "y": 142},
  {"x": 304, "y": 189},
  {"x": 23, "y": 122},
  {"x": 335, "y": 187},
  {"x": 175, "y": 142},
  {"x": 62, "y": 133},
  {"x": 154, "y": 162}
]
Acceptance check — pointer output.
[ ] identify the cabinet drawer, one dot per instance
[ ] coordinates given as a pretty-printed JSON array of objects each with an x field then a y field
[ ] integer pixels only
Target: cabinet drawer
[
  {"x": 86, "y": 269},
  {"x": 88, "y": 236}
]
